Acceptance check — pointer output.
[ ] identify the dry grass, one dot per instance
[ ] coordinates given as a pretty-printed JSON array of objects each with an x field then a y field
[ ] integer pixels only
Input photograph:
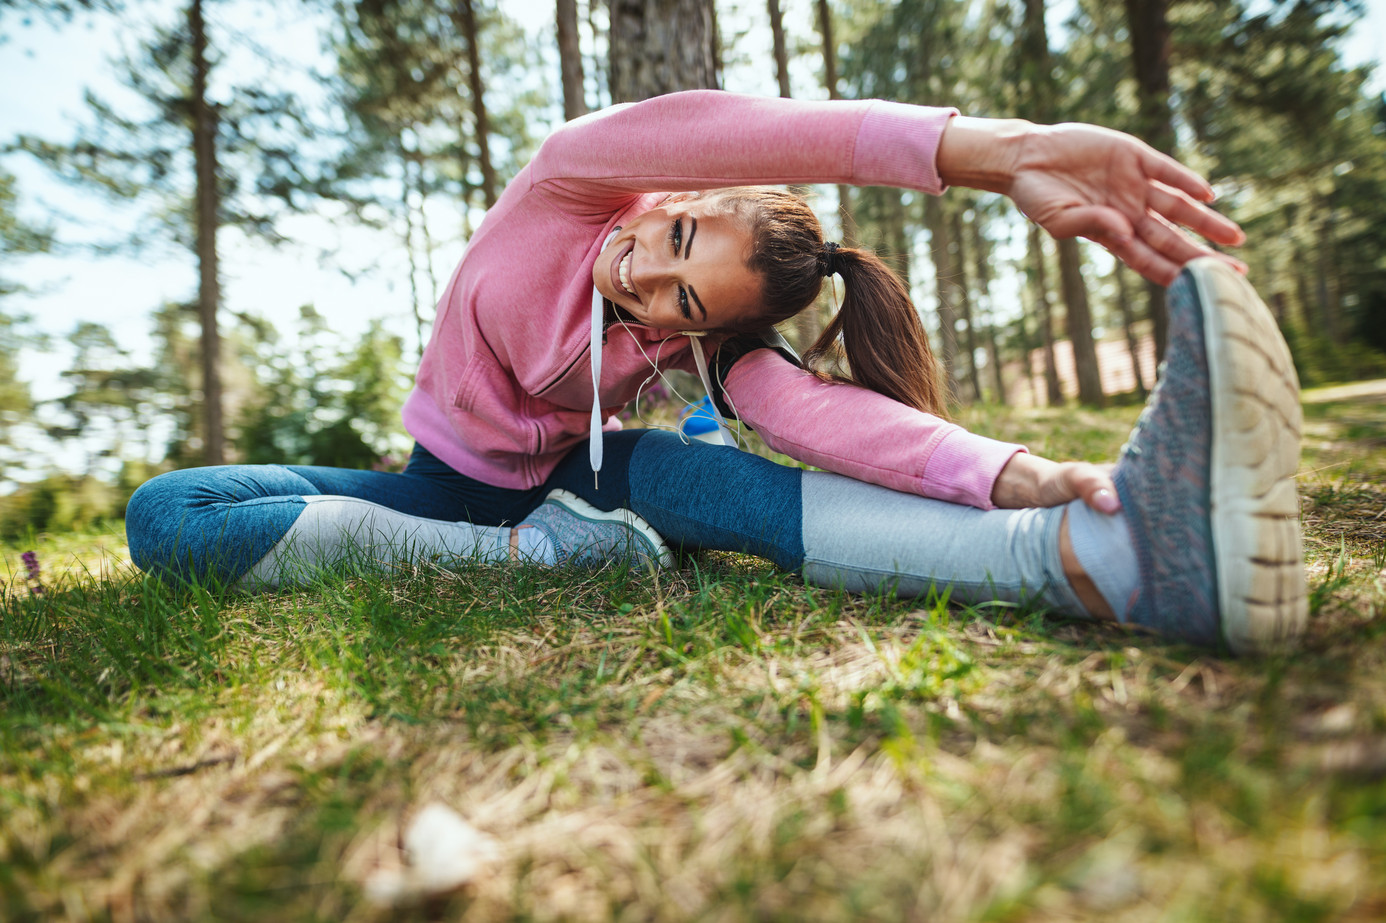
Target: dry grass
[{"x": 724, "y": 744}]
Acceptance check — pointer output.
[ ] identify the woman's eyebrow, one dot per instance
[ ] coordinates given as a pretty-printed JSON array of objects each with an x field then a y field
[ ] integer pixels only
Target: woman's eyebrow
[
  {"x": 696, "y": 300},
  {"x": 688, "y": 244}
]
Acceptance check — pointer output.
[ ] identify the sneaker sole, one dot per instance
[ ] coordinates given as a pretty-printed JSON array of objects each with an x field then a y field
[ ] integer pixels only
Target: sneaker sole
[
  {"x": 579, "y": 507},
  {"x": 1256, "y": 413}
]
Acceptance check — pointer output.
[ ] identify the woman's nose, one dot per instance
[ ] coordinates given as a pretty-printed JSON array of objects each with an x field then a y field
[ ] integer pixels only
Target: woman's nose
[{"x": 650, "y": 270}]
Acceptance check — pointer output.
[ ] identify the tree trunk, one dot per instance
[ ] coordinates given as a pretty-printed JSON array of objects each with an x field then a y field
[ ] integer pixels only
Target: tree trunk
[
  {"x": 1054, "y": 394},
  {"x": 781, "y": 56},
  {"x": 600, "y": 78},
  {"x": 974, "y": 378},
  {"x": 1128, "y": 321},
  {"x": 409, "y": 164},
  {"x": 944, "y": 275},
  {"x": 466, "y": 21},
  {"x": 1079, "y": 323},
  {"x": 204, "y": 138},
  {"x": 661, "y": 46},
  {"x": 1149, "y": 29},
  {"x": 1027, "y": 346},
  {"x": 1327, "y": 276},
  {"x": 844, "y": 192},
  {"x": 981, "y": 257},
  {"x": 570, "y": 60}
]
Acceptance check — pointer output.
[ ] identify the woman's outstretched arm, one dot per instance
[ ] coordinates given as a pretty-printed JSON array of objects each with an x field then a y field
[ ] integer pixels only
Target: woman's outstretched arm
[{"x": 1078, "y": 180}]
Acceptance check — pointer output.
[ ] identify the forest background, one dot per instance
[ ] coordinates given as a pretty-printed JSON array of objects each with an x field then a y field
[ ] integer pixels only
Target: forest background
[{"x": 229, "y": 249}]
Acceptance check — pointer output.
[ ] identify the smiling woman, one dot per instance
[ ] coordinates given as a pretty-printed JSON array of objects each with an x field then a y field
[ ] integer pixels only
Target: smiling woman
[{"x": 629, "y": 245}]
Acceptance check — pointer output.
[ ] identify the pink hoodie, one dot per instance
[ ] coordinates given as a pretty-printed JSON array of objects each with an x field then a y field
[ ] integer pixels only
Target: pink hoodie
[{"x": 504, "y": 390}]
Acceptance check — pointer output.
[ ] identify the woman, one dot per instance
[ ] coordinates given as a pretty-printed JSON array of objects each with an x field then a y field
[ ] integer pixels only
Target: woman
[{"x": 629, "y": 243}]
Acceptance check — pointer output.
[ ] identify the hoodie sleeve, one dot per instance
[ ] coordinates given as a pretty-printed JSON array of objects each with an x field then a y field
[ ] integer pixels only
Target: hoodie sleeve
[
  {"x": 703, "y": 139},
  {"x": 856, "y": 432}
]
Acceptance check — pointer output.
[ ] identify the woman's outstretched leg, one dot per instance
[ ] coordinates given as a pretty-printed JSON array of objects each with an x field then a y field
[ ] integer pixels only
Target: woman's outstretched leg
[{"x": 1207, "y": 547}]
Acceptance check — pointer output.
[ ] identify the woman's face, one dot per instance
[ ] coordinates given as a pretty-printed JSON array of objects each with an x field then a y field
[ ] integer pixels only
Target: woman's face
[{"x": 681, "y": 266}]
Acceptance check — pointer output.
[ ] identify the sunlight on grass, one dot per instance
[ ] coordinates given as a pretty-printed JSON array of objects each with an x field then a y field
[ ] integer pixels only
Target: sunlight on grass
[{"x": 719, "y": 742}]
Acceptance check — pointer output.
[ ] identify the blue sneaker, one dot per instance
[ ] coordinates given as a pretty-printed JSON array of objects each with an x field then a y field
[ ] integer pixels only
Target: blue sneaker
[
  {"x": 584, "y": 536},
  {"x": 1207, "y": 477}
]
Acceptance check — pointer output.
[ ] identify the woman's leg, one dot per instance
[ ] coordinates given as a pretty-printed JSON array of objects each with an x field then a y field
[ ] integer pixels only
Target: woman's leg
[
  {"x": 273, "y": 525},
  {"x": 834, "y": 530},
  {"x": 1207, "y": 547},
  {"x": 224, "y": 522}
]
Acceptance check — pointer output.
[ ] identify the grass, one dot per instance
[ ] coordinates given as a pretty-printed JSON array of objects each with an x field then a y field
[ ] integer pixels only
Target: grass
[{"x": 720, "y": 743}]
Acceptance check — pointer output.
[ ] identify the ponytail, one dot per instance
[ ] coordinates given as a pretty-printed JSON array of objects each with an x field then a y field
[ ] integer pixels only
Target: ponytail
[
  {"x": 884, "y": 342},
  {"x": 886, "y": 347}
]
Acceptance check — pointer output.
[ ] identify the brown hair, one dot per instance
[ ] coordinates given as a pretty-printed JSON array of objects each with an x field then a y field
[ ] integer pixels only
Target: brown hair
[{"x": 886, "y": 347}]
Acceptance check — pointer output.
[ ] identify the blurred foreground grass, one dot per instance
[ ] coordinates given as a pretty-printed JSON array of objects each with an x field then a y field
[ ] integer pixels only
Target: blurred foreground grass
[{"x": 721, "y": 743}]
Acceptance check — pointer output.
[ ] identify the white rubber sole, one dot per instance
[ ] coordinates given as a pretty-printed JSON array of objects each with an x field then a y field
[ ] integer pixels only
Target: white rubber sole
[
  {"x": 1255, "y": 455},
  {"x": 580, "y": 507}
]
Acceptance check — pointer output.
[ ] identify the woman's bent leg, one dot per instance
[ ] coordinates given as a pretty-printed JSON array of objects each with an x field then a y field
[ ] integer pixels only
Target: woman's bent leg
[{"x": 271, "y": 524}]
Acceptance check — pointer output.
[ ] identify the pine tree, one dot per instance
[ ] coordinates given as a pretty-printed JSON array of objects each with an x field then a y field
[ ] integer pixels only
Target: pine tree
[{"x": 200, "y": 158}]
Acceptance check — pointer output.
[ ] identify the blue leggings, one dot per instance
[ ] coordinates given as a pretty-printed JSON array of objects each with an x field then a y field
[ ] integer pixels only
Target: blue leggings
[{"x": 218, "y": 522}]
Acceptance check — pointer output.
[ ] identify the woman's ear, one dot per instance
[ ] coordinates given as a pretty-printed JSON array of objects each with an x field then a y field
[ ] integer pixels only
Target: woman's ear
[{"x": 680, "y": 197}]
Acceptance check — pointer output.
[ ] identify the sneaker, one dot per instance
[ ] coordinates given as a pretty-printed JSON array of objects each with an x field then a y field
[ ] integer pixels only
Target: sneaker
[
  {"x": 584, "y": 536},
  {"x": 1207, "y": 478}
]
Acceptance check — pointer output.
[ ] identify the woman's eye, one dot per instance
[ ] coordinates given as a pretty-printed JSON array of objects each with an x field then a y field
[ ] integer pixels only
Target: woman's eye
[
  {"x": 683, "y": 304},
  {"x": 676, "y": 236}
]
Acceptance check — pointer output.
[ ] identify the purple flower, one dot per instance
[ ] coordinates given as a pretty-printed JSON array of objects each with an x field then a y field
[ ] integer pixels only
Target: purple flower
[{"x": 31, "y": 568}]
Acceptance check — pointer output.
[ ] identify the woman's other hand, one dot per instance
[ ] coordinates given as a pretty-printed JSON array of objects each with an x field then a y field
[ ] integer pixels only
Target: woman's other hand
[
  {"x": 1078, "y": 180},
  {"x": 1028, "y": 481}
]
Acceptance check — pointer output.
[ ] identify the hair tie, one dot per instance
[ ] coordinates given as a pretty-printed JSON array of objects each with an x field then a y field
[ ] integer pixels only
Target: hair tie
[{"x": 827, "y": 260}]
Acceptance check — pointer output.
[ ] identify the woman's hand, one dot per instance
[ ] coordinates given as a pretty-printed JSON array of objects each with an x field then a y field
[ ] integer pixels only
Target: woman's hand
[
  {"x": 1028, "y": 481},
  {"x": 1078, "y": 180}
]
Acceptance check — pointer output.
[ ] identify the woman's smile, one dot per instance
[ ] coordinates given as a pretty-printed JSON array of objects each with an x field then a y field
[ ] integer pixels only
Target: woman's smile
[{"x": 620, "y": 270}]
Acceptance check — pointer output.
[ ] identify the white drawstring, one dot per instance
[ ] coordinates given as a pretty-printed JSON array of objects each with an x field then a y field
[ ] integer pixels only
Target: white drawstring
[
  {"x": 594, "y": 438},
  {"x": 594, "y": 441}
]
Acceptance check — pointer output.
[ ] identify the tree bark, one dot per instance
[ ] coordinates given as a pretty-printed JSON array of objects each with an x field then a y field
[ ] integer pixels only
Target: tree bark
[
  {"x": 957, "y": 234},
  {"x": 944, "y": 275},
  {"x": 1054, "y": 395},
  {"x": 1079, "y": 324},
  {"x": 981, "y": 259},
  {"x": 1327, "y": 276},
  {"x": 1148, "y": 25},
  {"x": 466, "y": 18},
  {"x": 570, "y": 60},
  {"x": 1128, "y": 321},
  {"x": 208, "y": 205},
  {"x": 661, "y": 46},
  {"x": 1027, "y": 346},
  {"x": 777, "y": 37},
  {"x": 844, "y": 192}
]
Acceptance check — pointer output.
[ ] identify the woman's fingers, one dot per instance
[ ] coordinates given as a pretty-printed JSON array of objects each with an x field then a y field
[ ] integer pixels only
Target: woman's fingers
[
  {"x": 1174, "y": 174},
  {"x": 1176, "y": 208},
  {"x": 1093, "y": 483}
]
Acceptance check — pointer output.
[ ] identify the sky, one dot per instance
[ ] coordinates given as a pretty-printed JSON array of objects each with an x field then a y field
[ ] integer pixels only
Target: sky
[{"x": 45, "y": 72}]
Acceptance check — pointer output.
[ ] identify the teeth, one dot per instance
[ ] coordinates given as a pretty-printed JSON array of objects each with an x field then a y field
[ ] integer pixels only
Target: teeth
[{"x": 624, "y": 271}]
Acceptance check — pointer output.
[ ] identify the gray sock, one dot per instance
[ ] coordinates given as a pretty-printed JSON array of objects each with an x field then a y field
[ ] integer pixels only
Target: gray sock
[
  {"x": 333, "y": 529},
  {"x": 534, "y": 547},
  {"x": 1102, "y": 545}
]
